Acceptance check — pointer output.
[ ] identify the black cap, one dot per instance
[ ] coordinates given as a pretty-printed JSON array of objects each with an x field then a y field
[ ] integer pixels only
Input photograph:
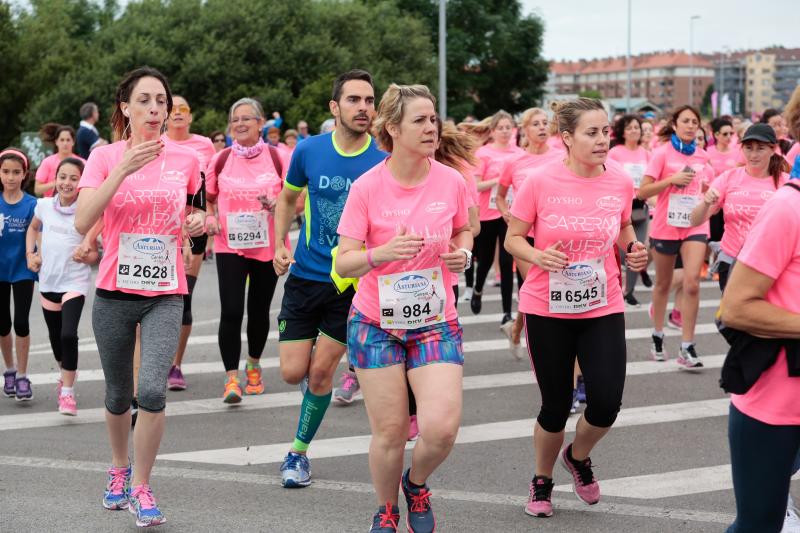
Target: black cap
[{"x": 760, "y": 132}]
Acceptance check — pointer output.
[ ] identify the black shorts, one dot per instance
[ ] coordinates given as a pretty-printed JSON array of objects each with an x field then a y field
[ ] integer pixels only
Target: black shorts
[
  {"x": 199, "y": 244},
  {"x": 310, "y": 308},
  {"x": 673, "y": 247}
]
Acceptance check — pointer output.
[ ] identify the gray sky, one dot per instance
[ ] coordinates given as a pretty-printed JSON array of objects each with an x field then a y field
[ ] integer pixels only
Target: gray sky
[{"x": 577, "y": 29}]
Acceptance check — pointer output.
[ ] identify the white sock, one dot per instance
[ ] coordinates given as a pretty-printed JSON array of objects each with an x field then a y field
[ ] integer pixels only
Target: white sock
[
  {"x": 66, "y": 391},
  {"x": 659, "y": 334},
  {"x": 11, "y": 369},
  {"x": 685, "y": 345},
  {"x": 20, "y": 376}
]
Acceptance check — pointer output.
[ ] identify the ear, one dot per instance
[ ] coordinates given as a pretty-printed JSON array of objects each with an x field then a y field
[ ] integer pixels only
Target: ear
[
  {"x": 393, "y": 130},
  {"x": 334, "y": 108},
  {"x": 567, "y": 138}
]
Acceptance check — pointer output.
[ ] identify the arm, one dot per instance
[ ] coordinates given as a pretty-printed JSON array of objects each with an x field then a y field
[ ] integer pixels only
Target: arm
[
  {"x": 488, "y": 184},
  {"x": 651, "y": 187},
  {"x": 352, "y": 261},
  {"x": 87, "y": 252},
  {"x": 705, "y": 209},
  {"x": 285, "y": 210},
  {"x": 636, "y": 258},
  {"x": 502, "y": 203},
  {"x": 41, "y": 188},
  {"x": 33, "y": 245},
  {"x": 474, "y": 221},
  {"x": 517, "y": 245}
]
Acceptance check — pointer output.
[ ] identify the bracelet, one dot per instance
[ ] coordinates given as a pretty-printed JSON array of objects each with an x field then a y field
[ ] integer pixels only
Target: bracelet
[
  {"x": 630, "y": 246},
  {"x": 369, "y": 259}
]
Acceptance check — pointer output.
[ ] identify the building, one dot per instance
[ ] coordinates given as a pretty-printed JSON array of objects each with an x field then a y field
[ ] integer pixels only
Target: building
[{"x": 730, "y": 78}]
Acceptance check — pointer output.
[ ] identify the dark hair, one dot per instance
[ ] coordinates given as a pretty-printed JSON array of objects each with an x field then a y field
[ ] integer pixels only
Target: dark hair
[
  {"x": 619, "y": 129},
  {"x": 71, "y": 161},
  {"x": 49, "y": 132},
  {"x": 355, "y": 74},
  {"x": 215, "y": 133},
  {"x": 87, "y": 110},
  {"x": 718, "y": 123},
  {"x": 568, "y": 113},
  {"x": 768, "y": 114},
  {"x": 667, "y": 131},
  {"x": 119, "y": 122},
  {"x": 777, "y": 164},
  {"x": 18, "y": 159},
  {"x": 702, "y": 131}
]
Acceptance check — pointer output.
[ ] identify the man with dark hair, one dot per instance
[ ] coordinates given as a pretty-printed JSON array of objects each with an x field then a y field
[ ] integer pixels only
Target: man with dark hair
[
  {"x": 88, "y": 137},
  {"x": 313, "y": 316}
]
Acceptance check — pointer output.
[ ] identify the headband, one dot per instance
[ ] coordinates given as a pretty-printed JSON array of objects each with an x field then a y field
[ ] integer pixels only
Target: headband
[{"x": 11, "y": 151}]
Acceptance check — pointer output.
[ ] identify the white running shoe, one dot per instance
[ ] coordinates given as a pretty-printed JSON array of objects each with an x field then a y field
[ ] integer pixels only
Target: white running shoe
[
  {"x": 791, "y": 522},
  {"x": 514, "y": 348},
  {"x": 467, "y": 295}
]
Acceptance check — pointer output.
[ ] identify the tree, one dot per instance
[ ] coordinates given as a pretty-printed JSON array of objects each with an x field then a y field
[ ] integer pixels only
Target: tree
[
  {"x": 705, "y": 106},
  {"x": 597, "y": 95}
]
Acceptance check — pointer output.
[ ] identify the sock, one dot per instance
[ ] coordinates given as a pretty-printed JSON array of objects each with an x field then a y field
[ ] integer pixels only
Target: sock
[
  {"x": 66, "y": 391},
  {"x": 659, "y": 334},
  {"x": 410, "y": 483},
  {"x": 11, "y": 369},
  {"x": 685, "y": 345},
  {"x": 21, "y": 375},
  {"x": 257, "y": 364},
  {"x": 312, "y": 412}
]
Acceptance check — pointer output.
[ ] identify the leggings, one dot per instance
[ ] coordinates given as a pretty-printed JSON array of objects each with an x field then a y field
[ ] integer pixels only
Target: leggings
[
  {"x": 114, "y": 323},
  {"x": 191, "y": 281},
  {"x": 23, "y": 296},
  {"x": 493, "y": 231},
  {"x": 631, "y": 276},
  {"x": 62, "y": 318},
  {"x": 724, "y": 271},
  {"x": 762, "y": 458},
  {"x": 469, "y": 275},
  {"x": 600, "y": 347},
  {"x": 233, "y": 271}
]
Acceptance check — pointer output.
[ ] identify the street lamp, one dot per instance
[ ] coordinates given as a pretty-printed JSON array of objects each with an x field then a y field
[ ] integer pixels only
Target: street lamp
[
  {"x": 691, "y": 58},
  {"x": 628, "y": 64},
  {"x": 443, "y": 59}
]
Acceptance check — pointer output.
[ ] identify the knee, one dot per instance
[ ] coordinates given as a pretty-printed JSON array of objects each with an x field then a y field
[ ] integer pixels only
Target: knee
[
  {"x": 662, "y": 284},
  {"x": 152, "y": 398},
  {"x": 69, "y": 338},
  {"x": 602, "y": 413},
  {"x": 118, "y": 398},
  {"x": 319, "y": 379},
  {"x": 292, "y": 374},
  {"x": 391, "y": 434},
  {"x": 552, "y": 418},
  {"x": 438, "y": 432},
  {"x": 691, "y": 285},
  {"x": 231, "y": 314}
]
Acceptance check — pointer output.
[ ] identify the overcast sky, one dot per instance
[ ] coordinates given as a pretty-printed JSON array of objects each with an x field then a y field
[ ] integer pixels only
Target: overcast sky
[{"x": 577, "y": 29}]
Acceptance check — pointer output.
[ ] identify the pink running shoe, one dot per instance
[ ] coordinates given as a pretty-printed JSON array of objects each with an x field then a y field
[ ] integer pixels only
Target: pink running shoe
[
  {"x": 539, "y": 504},
  {"x": 175, "y": 379},
  {"x": 584, "y": 484},
  {"x": 67, "y": 405},
  {"x": 413, "y": 428},
  {"x": 674, "y": 320},
  {"x": 348, "y": 388}
]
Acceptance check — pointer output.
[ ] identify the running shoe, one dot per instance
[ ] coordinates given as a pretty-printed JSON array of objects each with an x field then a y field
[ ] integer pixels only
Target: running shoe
[
  {"x": 575, "y": 403},
  {"x": 348, "y": 388},
  {"x": 467, "y": 295},
  {"x": 674, "y": 319},
  {"x": 24, "y": 390},
  {"x": 295, "y": 471},
  {"x": 631, "y": 300},
  {"x": 386, "y": 519},
  {"x": 67, "y": 405},
  {"x": 688, "y": 358},
  {"x": 413, "y": 428},
  {"x": 9, "y": 383},
  {"x": 175, "y": 380},
  {"x": 581, "y": 388},
  {"x": 254, "y": 385},
  {"x": 117, "y": 488},
  {"x": 507, "y": 328},
  {"x": 791, "y": 522},
  {"x": 646, "y": 281},
  {"x": 143, "y": 505},
  {"x": 584, "y": 484},
  {"x": 233, "y": 391},
  {"x": 657, "y": 351},
  {"x": 475, "y": 303},
  {"x": 134, "y": 411},
  {"x": 539, "y": 503},
  {"x": 420, "y": 517}
]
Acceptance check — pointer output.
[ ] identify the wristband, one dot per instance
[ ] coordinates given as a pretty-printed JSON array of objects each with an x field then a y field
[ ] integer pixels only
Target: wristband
[
  {"x": 630, "y": 246},
  {"x": 369, "y": 259}
]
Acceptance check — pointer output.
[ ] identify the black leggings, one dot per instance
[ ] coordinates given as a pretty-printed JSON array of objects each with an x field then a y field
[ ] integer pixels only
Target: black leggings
[
  {"x": 191, "y": 281},
  {"x": 724, "y": 271},
  {"x": 600, "y": 347},
  {"x": 233, "y": 271},
  {"x": 23, "y": 296},
  {"x": 62, "y": 327},
  {"x": 492, "y": 232}
]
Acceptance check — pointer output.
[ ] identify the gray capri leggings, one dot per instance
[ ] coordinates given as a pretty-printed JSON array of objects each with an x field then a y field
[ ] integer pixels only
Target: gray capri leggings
[
  {"x": 640, "y": 229},
  {"x": 114, "y": 323}
]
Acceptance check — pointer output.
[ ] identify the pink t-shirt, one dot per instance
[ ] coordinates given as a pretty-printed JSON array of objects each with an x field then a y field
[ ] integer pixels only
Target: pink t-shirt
[
  {"x": 517, "y": 169},
  {"x": 378, "y": 206},
  {"x": 776, "y": 254},
  {"x": 741, "y": 197},
  {"x": 491, "y": 167},
  {"x": 237, "y": 189},
  {"x": 202, "y": 145},
  {"x": 555, "y": 141},
  {"x": 722, "y": 161},
  {"x": 46, "y": 173},
  {"x": 633, "y": 161},
  {"x": 794, "y": 151},
  {"x": 585, "y": 214},
  {"x": 665, "y": 162},
  {"x": 150, "y": 201}
]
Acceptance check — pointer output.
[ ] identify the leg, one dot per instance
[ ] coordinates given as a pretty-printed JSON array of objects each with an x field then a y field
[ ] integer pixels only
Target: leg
[
  {"x": 665, "y": 265},
  {"x": 71, "y": 317},
  {"x": 469, "y": 275},
  {"x": 723, "y": 271},
  {"x": 51, "y": 310},
  {"x": 232, "y": 277},
  {"x": 692, "y": 253},
  {"x": 23, "y": 297},
  {"x": 186, "y": 323},
  {"x": 485, "y": 244},
  {"x": 506, "y": 269},
  {"x": 259, "y": 296},
  {"x": 6, "y": 342}
]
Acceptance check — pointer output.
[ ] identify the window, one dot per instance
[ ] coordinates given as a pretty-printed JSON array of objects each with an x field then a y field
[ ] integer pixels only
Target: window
[{"x": 765, "y": 71}]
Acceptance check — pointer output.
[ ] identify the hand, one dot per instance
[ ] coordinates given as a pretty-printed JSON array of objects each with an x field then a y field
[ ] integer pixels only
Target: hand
[
  {"x": 455, "y": 260},
  {"x": 682, "y": 178},
  {"x": 275, "y": 114},
  {"x": 507, "y": 217},
  {"x": 81, "y": 253},
  {"x": 34, "y": 261},
  {"x": 637, "y": 259},
  {"x": 138, "y": 156},
  {"x": 402, "y": 247},
  {"x": 283, "y": 258},
  {"x": 267, "y": 203},
  {"x": 212, "y": 226},
  {"x": 711, "y": 197},
  {"x": 551, "y": 259},
  {"x": 195, "y": 224}
]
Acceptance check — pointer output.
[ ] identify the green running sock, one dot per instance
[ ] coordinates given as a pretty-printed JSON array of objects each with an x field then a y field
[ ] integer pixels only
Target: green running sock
[{"x": 312, "y": 412}]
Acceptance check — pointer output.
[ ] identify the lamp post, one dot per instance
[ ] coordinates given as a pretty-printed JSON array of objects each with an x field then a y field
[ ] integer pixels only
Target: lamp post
[
  {"x": 628, "y": 64},
  {"x": 691, "y": 58},
  {"x": 443, "y": 59}
]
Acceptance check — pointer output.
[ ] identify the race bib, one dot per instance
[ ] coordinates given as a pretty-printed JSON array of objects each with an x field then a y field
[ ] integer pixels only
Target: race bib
[
  {"x": 680, "y": 208},
  {"x": 579, "y": 288},
  {"x": 248, "y": 230},
  {"x": 411, "y": 300},
  {"x": 147, "y": 262},
  {"x": 493, "y": 198},
  {"x": 636, "y": 172}
]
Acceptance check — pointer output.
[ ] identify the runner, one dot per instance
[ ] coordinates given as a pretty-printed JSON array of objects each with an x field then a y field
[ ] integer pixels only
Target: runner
[
  {"x": 677, "y": 172},
  {"x": 741, "y": 192},
  {"x": 63, "y": 137},
  {"x": 572, "y": 299},
  {"x": 243, "y": 183},
  {"x": 16, "y": 213},
  {"x": 492, "y": 158},
  {"x": 312, "y": 323},
  {"x": 792, "y": 116},
  {"x": 722, "y": 156},
  {"x": 403, "y": 320},
  {"x": 143, "y": 190},
  {"x": 62, "y": 258},
  {"x": 178, "y": 126},
  {"x": 627, "y": 150}
]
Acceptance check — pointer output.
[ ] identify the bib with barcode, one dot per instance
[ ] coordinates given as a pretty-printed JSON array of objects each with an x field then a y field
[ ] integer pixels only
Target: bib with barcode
[
  {"x": 248, "y": 230},
  {"x": 636, "y": 172},
  {"x": 493, "y": 197},
  {"x": 411, "y": 300},
  {"x": 147, "y": 262},
  {"x": 579, "y": 288},
  {"x": 679, "y": 209}
]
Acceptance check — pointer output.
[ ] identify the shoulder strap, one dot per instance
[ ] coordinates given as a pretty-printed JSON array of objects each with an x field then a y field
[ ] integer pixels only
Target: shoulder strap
[
  {"x": 220, "y": 164},
  {"x": 225, "y": 153},
  {"x": 793, "y": 186},
  {"x": 276, "y": 160}
]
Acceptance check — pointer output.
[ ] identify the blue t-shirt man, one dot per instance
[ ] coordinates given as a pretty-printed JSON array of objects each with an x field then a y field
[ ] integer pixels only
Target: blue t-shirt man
[{"x": 14, "y": 222}]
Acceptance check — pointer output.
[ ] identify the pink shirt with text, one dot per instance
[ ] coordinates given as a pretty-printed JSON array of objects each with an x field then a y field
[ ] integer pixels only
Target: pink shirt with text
[
  {"x": 491, "y": 165},
  {"x": 519, "y": 168},
  {"x": 665, "y": 162},
  {"x": 150, "y": 201},
  {"x": 585, "y": 214},
  {"x": 632, "y": 161},
  {"x": 46, "y": 173},
  {"x": 776, "y": 254},
  {"x": 722, "y": 161},
  {"x": 378, "y": 207}
]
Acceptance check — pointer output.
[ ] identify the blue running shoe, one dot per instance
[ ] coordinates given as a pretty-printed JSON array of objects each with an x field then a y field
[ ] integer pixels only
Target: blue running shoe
[
  {"x": 295, "y": 471},
  {"x": 581, "y": 387},
  {"x": 144, "y": 506},
  {"x": 386, "y": 519},
  {"x": 9, "y": 383},
  {"x": 118, "y": 488},
  {"x": 420, "y": 517}
]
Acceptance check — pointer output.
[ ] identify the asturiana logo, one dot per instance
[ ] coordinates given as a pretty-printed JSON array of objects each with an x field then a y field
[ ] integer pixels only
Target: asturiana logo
[
  {"x": 436, "y": 207},
  {"x": 578, "y": 272},
  {"x": 610, "y": 203},
  {"x": 411, "y": 284},
  {"x": 149, "y": 245},
  {"x": 246, "y": 219}
]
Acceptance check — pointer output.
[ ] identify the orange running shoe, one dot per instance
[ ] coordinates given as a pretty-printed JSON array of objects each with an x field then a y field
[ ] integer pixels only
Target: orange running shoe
[
  {"x": 254, "y": 383},
  {"x": 233, "y": 392}
]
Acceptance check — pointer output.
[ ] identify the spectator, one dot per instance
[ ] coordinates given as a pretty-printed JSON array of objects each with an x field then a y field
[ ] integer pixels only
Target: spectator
[
  {"x": 88, "y": 136},
  {"x": 327, "y": 126},
  {"x": 302, "y": 131},
  {"x": 275, "y": 122},
  {"x": 291, "y": 138},
  {"x": 218, "y": 140}
]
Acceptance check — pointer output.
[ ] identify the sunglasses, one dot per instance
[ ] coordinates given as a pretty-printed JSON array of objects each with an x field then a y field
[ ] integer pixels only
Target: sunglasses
[
  {"x": 726, "y": 134},
  {"x": 181, "y": 108}
]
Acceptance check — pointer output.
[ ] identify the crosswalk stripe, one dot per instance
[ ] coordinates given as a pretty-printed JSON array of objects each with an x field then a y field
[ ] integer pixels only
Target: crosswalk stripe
[{"x": 288, "y": 399}]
